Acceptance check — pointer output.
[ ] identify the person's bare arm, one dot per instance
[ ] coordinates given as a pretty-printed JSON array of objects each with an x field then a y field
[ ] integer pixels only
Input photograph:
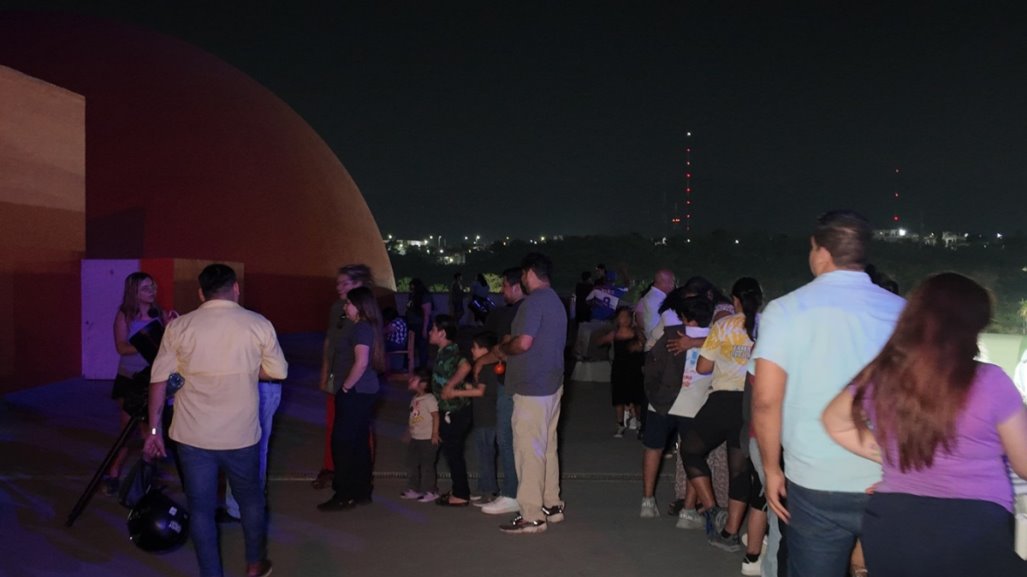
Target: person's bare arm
[
  {"x": 435, "y": 437},
  {"x": 361, "y": 358},
  {"x": 1013, "y": 433},
  {"x": 121, "y": 343},
  {"x": 837, "y": 419},
  {"x": 704, "y": 366},
  {"x": 426, "y": 314},
  {"x": 767, "y": 399},
  {"x": 679, "y": 345},
  {"x": 324, "y": 363},
  {"x": 517, "y": 345},
  {"x": 456, "y": 380},
  {"x": 153, "y": 444}
]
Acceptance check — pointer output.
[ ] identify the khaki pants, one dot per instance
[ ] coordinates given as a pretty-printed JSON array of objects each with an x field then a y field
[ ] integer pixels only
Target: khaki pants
[{"x": 534, "y": 441}]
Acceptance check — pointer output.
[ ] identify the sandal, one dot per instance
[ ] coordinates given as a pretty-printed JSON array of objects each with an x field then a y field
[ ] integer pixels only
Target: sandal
[{"x": 324, "y": 479}]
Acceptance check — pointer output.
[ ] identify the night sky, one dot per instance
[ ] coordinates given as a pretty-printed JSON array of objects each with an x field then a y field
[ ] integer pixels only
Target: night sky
[{"x": 570, "y": 117}]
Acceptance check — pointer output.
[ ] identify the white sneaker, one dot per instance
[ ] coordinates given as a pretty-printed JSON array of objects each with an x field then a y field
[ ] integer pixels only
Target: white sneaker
[
  {"x": 633, "y": 424},
  {"x": 752, "y": 568},
  {"x": 410, "y": 494},
  {"x": 690, "y": 519},
  {"x": 619, "y": 433},
  {"x": 428, "y": 497},
  {"x": 501, "y": 506},
  {"x": 649, "y": 508}
]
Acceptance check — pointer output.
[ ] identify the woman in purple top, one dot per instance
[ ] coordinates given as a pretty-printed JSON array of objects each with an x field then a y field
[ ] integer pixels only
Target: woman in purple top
[{"x": 942, "y": 426}]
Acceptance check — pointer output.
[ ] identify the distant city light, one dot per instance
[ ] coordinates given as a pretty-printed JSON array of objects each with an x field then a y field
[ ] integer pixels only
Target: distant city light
[
  {"x": 998, "y": 235},
  {"x": 736, "y": 241},
  {"x": 902, "y": 232}
]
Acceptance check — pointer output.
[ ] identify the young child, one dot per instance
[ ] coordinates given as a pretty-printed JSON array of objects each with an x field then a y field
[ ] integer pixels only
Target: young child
[
  {"x": 483, "y": 409},
  {"x": 424, "y": 439},
  {"x": 448, "y": 375}
]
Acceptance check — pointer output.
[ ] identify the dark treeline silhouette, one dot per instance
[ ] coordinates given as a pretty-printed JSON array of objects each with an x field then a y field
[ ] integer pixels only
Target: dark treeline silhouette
[{"x": 777, "y": 260}]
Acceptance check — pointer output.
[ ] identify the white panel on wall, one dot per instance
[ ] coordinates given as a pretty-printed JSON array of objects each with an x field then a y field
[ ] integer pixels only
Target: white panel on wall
[{"x": 103, "y": 284}]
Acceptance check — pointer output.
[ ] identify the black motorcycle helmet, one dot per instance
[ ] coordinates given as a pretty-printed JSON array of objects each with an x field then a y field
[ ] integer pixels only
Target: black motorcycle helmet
[{"x": 157, "y": 524}]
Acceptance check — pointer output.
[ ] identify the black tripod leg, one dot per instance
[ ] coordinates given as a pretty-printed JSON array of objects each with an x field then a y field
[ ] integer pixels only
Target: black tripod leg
[
  {"x": 172, "y": 447},
  {"x": 83, "y": 501}
]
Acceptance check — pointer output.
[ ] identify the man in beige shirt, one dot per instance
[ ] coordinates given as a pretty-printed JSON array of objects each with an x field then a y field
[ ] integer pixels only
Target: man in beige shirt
[{"x": 221, "y": 350}]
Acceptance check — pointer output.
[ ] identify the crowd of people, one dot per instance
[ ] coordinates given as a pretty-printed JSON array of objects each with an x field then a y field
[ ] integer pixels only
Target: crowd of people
[{"x": 861, "y": 433}]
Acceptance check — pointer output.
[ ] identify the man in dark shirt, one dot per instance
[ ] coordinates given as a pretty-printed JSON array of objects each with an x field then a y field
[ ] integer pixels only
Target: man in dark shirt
[
  {"x": 500, "y": 323},
  {"x": 535, "y": 374}
]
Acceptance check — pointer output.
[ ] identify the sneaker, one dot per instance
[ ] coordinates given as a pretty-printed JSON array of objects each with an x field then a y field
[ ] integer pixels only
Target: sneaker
[
  {"x": 429, "y": 497},
  {"x": 731, "y": 544},
  {"x": 501, "y": 506},
  {"x": 649, "y": 508},
  {"x": 261, "y": 569},
  {"x": 619, "y": 433},
  {"x": 752, "y": 567},
  {"x": 714, "y": 521},
  {"x": 553, "y": 514},
  {"x": 633, "y": 424},
  {"x": 410, "y": 495},
  {"x": 520, "y": 525},
  {"x": 690, "y": 519}
]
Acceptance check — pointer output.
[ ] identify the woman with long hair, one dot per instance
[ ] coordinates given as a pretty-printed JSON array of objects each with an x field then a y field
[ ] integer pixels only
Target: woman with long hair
[
  {"x": 138, "y": 308},
  {"x": 943, "y": 426},
  {"x": 349, "y": 277},
  {"x": 360, "y": 361},
  {"x": 725, "y": 354}
]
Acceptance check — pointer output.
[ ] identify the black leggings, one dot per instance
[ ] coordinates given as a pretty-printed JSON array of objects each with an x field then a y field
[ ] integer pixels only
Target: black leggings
[
  {"x": 719, "y": 421},
  {"x": 453, "y": 432}
]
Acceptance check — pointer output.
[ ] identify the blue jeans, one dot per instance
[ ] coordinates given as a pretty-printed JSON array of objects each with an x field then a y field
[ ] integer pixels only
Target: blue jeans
[
  {"x": 504, "y": 438},
  {"x": 822, "y": 531},
  {"x": 270, "y": 398},
  {"x": 768, "y": 567},
  {"x": 241, "y": 466},
  {"x": 485, "y": 443}
]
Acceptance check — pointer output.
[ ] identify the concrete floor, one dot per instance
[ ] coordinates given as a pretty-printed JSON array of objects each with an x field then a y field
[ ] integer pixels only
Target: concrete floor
[{"x": 54, "y": 436}]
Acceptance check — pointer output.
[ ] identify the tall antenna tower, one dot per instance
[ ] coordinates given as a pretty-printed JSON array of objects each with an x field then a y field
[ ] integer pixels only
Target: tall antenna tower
[
  {"x": 895, "y": 197},
  {"x": 688, "y": 185}
]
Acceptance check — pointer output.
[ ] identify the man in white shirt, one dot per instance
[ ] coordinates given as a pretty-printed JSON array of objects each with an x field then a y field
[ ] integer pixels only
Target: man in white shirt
[
  {"x": 812, "y": 342},
  {"x": 221, "y": 350},
  {"x": 647, "y": 312}
]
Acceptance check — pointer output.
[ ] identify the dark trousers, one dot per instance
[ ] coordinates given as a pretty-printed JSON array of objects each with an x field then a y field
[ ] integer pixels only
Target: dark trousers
[
  {"x": 421, "y": 456},
  {"x": 453, "y": 429},
  {"x": 351, "y": 445},
  {"x": 908, "y": 536}
]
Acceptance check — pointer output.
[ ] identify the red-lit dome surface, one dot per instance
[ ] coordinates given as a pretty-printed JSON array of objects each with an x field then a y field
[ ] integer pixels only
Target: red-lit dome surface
[{"x": 187, "y": 157}]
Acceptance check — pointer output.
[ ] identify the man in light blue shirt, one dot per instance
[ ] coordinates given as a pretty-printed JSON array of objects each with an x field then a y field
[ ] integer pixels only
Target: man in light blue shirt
[{"x": 812, "y": 342}]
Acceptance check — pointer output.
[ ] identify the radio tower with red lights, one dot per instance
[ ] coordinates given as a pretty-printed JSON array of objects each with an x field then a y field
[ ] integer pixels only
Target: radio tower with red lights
[
  {"x": 895, "y": 198},
  {"x": 688, "y": 185},
  {"x": 678, "y": 219}
]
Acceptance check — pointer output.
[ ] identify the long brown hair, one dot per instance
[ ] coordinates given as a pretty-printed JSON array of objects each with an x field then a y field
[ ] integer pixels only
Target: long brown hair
[
  {"x": 919, "y": 382},
  {"x": 130, "y": 300},
  {"x": 367, "y": 307}
]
